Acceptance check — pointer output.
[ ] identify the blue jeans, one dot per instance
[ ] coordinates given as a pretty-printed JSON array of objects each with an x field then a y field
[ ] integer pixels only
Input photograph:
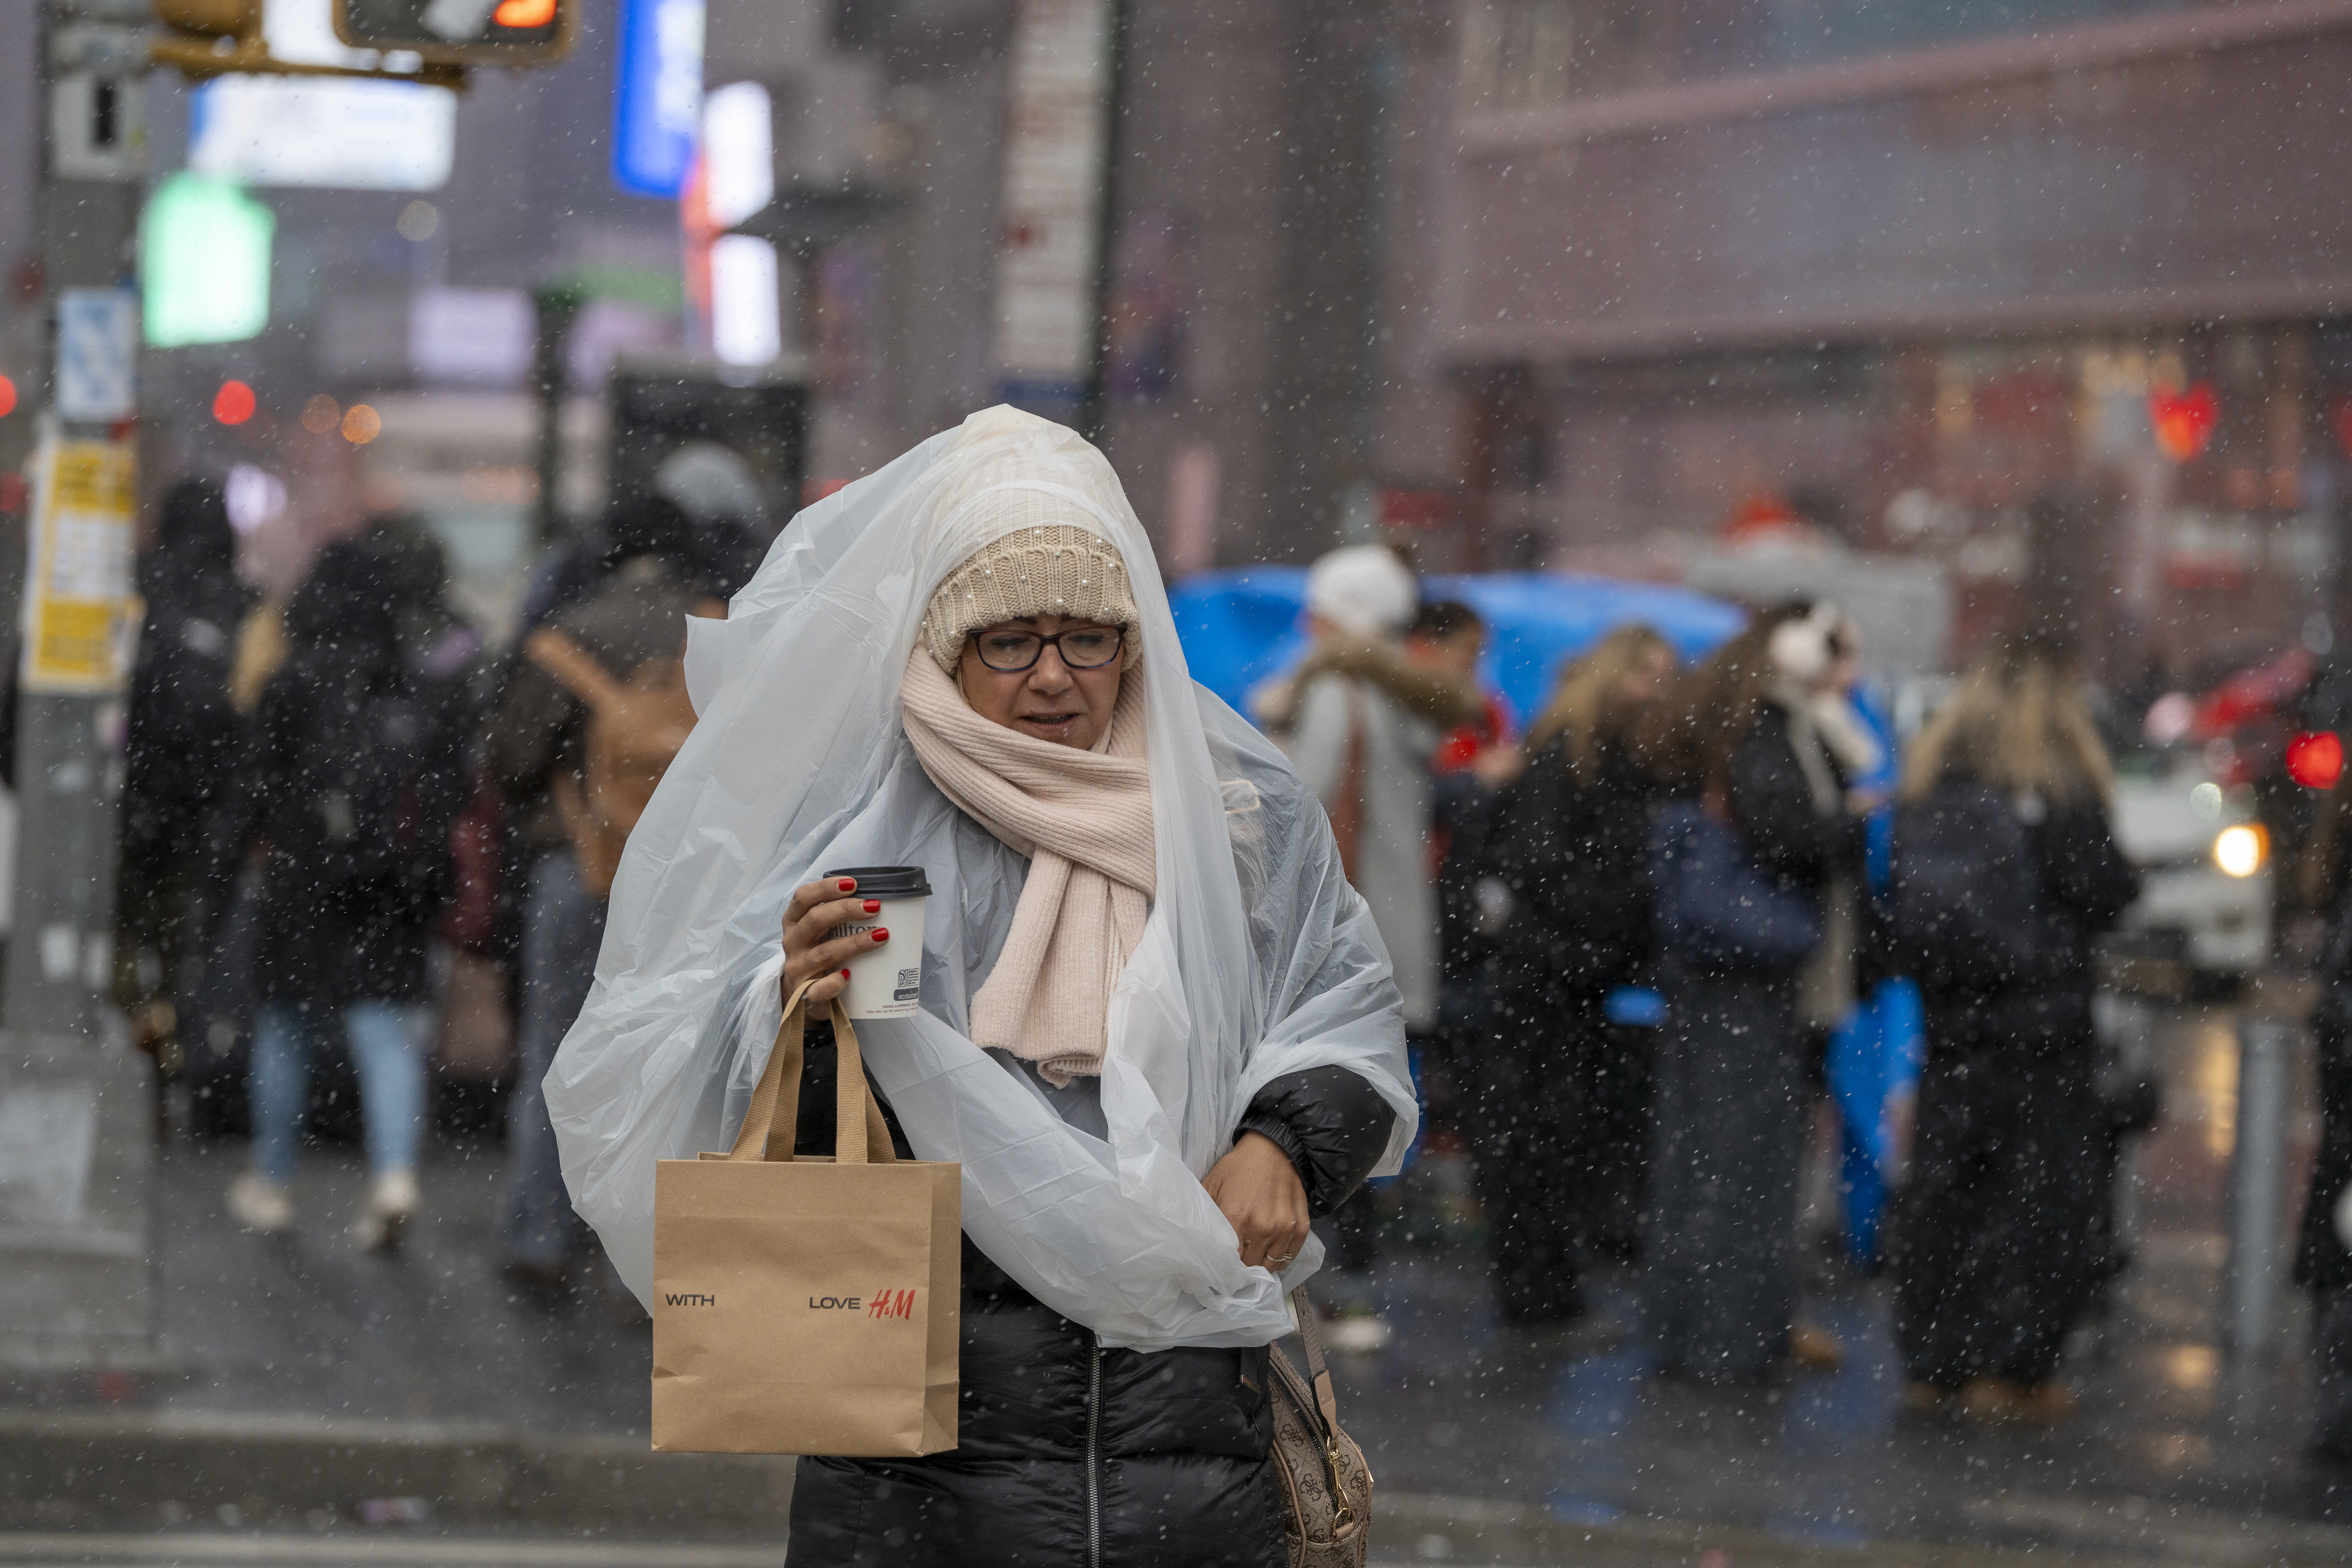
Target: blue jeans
[
  {"x": 562, "y": 927},
  {"x": 388, "y": 1047}
]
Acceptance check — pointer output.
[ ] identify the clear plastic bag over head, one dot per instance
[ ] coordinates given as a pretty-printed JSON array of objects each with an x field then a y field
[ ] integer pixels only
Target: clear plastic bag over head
[{"x": 1258, "y": 959}]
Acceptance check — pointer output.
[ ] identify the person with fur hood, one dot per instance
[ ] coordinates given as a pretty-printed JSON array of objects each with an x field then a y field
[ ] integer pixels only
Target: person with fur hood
[
  {"x": 1362, "y": 723},
  {"x": 1764, "y": 738}
]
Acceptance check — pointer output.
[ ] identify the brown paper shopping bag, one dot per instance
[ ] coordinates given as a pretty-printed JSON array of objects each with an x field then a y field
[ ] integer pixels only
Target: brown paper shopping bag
[{"x": 806, "y": 1306}]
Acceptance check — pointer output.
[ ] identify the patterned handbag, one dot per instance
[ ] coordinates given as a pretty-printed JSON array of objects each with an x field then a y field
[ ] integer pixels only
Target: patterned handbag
[{"x": 1327, "y": 1488}]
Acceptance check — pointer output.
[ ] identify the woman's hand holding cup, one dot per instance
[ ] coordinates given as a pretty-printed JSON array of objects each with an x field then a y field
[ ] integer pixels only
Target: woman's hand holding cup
[{"x": 816, "y": 908}]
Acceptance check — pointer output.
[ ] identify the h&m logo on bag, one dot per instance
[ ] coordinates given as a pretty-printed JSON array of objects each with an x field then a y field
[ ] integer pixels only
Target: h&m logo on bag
[{"x": 881, "y": 1304}]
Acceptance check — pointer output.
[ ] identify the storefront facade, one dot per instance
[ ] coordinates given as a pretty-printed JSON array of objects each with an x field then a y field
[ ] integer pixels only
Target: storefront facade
[{"x": 2054, "y": 306}]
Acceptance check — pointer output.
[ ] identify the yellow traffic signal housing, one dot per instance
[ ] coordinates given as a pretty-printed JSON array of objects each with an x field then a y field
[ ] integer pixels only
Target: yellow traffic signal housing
[
  {"x": 219, "y": 18},
  {"x": 222, "y": 38},
  {"x": 458, "y": 32}
]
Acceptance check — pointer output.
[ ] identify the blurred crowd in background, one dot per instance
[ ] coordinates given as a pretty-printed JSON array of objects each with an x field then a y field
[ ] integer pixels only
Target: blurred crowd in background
[{"x": 1637, "y": 930}]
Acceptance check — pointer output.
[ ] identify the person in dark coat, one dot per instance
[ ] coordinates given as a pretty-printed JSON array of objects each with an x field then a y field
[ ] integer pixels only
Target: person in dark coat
[
  {"x": 1472, "y": 765},
  {"x": 634, "y": 616},
  {"x": 1760, "y": 734},
  {"x": 353, "y": 771},
  {"x": 435, "y": 640},
  {"x": 2005, "y": 869},
  {"x": 182, "y": 738},
  {"x": 1555, "y": 1098},
  {"x": 2323, "y": 1258}
]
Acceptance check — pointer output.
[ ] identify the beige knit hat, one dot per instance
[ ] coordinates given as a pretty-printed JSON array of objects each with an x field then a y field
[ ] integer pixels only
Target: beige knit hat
[{"x": 1056, "y": 569}]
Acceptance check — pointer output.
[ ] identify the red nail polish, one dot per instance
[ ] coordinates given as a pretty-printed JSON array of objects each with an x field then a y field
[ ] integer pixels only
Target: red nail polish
[
  {"x": 848, "y": 884},
  {"x": 882, "y": 933},
  {"x": 845, "y": 975},
  {"x": 873, "y": 906}
]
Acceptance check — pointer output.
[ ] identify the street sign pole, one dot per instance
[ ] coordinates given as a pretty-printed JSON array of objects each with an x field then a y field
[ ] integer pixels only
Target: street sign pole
[{"x": 77, "y": 1288}]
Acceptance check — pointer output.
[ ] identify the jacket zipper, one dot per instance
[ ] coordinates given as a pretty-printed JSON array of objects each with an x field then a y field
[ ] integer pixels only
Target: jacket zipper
[{"x": 1094, "y": 1450}]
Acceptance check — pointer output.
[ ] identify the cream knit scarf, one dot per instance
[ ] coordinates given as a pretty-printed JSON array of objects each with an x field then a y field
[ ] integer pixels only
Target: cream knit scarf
[{"x": 1084, "y": 818}]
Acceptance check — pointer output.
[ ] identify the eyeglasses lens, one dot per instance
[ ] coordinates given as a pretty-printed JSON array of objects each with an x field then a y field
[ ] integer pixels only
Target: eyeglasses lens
[{"x": 1089, "y": 649}]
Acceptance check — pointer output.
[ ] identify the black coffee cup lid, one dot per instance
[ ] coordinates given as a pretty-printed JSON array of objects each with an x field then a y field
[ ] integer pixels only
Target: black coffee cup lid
[{"x": 886, "y": 882}]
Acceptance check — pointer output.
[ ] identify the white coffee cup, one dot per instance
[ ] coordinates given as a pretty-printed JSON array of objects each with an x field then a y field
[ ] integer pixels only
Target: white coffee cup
[{"x": 887, "y": 981}]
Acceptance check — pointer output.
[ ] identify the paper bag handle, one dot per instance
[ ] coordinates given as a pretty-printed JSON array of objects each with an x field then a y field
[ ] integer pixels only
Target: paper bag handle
[{"x": 860, "y": 1136}]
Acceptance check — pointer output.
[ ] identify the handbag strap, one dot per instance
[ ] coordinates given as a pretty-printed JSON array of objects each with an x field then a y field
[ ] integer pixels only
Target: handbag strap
[
  {"x": 772, "y": 1124},
  {"x": 1318, "y": 1372},
  {"x": 1327, "y": 1405}
]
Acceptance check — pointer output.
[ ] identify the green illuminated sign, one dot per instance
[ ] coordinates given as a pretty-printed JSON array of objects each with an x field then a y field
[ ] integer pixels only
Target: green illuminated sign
[{"x": 204, "y": 262}]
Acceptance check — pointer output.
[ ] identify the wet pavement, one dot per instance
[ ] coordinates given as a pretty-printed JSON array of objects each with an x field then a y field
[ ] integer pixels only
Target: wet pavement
[
  {"x": 2171, "y": 1436},
  {"x": 2174, "y": 1445},
  {"x": 305, "y": 1322}
]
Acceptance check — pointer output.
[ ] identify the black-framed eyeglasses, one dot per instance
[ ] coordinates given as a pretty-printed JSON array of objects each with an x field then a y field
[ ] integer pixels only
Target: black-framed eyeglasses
[{"x": 1009, "y": 652}]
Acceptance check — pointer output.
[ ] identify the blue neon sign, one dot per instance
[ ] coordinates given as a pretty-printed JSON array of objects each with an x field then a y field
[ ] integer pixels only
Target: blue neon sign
[{"x": 657, "y": 95}]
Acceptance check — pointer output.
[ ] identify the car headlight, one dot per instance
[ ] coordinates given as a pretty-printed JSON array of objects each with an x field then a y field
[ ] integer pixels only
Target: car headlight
[{"x": 2242, "y": 850}]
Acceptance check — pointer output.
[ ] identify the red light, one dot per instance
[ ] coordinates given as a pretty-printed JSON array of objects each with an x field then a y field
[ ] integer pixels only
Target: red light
[
  {"x": 2184, "y": 421},
  {"x": 8, "y": 397},
  {"x": 2316, "y": 759},
  {"x": 233, "y": 404}
]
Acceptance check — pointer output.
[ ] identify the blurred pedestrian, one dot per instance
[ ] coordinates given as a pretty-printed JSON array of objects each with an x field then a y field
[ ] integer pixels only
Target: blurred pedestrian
[
  {"x": 1362, "y": 725},
  {"x": 1472, "y": 764},
  {"x": 2323, "y": 1260},
  {"x": 1556, "y": 1099},
  {"x": 1760, "y": 741},
  {"x": 630, "y": 630},
  {"x": 353, "y": 771},
  {"x": 473, "y": 1045},
  {"x": 181, "y": 743},
  {"x": 434, "y": 640},
  {"x": 721, "y": 495},
  {"x": 716, "y": 559},
  {"x": 2005, "y": 868}
]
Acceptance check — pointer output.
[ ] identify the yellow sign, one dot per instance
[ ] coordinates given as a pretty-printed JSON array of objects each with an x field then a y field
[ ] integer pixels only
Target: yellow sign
[{"x": 81, "y": 610}]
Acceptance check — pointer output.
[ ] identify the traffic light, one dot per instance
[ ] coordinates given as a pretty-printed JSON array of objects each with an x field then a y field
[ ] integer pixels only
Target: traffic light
[
  {"x": 202, "y": 36},
  {"x": 206, "y": 39},
  {"x": 461, "y": 32}
]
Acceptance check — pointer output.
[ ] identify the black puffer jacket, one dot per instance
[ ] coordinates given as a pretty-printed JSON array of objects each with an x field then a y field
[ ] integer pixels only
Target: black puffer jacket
[
  {"x": 354, "y": 771},
  {"x": 1068, "y": 1452},
  {"x": 1772, "y": 804},
  {"x": 1573, "y": 851},
  {"x": 2074, "y": 884},
  {"x": 2322, "y": 1258},
  {"x": 181, "y": 741}
]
